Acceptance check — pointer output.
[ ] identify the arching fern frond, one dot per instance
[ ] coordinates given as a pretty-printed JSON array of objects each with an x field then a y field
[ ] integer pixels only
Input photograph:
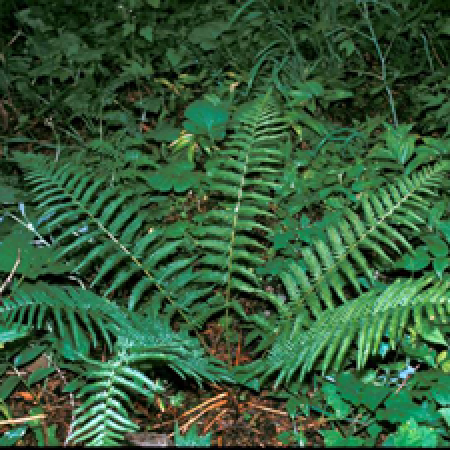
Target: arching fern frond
[
  {"x": 103, "y": 418},
  {"x": 240, "y": 179},
  {"x": 152, "y": 340},
  {"x": 106, "y": 224},
  {"x": 41, "y": 304},
  {"x": 364, "y": 321},
  {"x": 328, "y": 265}
]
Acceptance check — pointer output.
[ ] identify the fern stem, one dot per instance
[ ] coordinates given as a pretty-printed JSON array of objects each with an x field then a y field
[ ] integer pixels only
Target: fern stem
[{"x": 230, "y": 262}]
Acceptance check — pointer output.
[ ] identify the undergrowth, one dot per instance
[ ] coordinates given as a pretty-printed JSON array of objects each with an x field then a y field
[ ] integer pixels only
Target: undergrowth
[{"x": 162, "y": 166}]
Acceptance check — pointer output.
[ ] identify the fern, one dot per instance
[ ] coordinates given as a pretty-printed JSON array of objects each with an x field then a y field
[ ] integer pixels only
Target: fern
[
  {"x": 111, "y": 236},
  {"x": 145, "y": 342},
  {"x": 331, "y": 264},
  {"x": 50, "y": 307},
  {"x": 113, "y": 221},
  {"x": 226, "y": 238},
  {"x": 299, "y": 343},
  {"x": 364, "y": 320},
  {"x": 139, "y": 341},
  {"x": 240, "y": 180},
  {"x": 186, "y": 262},
  {"x": 103, "y": 419}
]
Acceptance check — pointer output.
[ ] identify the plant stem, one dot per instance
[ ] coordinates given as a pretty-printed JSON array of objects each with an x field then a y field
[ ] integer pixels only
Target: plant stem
[{"x": 383, "y": 64}]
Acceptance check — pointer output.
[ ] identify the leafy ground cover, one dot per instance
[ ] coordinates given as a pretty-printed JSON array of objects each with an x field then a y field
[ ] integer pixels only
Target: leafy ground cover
[{"x": 224, "y": 223}]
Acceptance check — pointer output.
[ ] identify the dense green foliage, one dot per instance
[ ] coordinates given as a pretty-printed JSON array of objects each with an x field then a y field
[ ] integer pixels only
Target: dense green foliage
[{"x": 195, "y": 155}]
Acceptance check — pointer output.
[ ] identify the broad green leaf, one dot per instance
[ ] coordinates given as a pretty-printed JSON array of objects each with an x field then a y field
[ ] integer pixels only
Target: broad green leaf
[
  {"x": 410, "y": 434},
  {"x": 400, "y": 407},
  {"x": 206, "y": 118},
  {"x": 358, "y": 393},
  {"x": 332, "y": 396}
]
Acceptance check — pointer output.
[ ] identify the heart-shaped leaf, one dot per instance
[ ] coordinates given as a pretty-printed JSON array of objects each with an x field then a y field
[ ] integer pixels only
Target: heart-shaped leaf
[{"x": 206, "y": 118}]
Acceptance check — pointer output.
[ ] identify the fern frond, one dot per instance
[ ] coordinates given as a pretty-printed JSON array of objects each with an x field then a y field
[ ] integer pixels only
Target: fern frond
[
  {"x": 240, "y": 180},
  {"x": 152, "y": 340},
  {"x": 364, "y": 321},
  {"x": 148, "y": 341},
  {"x": 112, "y": 221},
  {"x": 334, "y": 262},
  {"x": 102, "y": 420},
  {"x": 41, "y": 305}
]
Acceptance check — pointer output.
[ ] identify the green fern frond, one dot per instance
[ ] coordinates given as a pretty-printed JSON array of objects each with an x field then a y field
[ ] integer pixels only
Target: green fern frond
[
  {"x": 144, "y": 342},
  {"x": 364, "y": 321},
  {"x": 102, "y": 419},
  {"x": 240, "y": 180},
  {"x": 333, "y": 263},
  {"x": 112, "y": 221},
  {"x": 41, "y": 305},
  {"x": 152, "y": 340}
]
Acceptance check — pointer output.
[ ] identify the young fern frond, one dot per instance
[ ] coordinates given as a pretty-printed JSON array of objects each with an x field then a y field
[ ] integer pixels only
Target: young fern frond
[
  {"x": 364, "y": 321},
  {"x": 240, "y": 180},
  {"x": 103, "y": 419},
  {"x": 333, "y": 263},
  {"x": 152, "y": 340}
]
